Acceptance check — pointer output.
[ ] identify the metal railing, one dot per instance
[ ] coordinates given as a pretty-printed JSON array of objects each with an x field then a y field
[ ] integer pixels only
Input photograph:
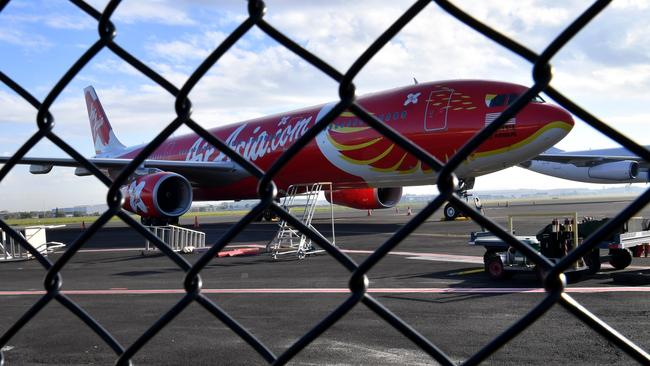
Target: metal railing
[
  {"x": 14, "y": 250},
  {"x": 358, "y": 281},
  {"x": 288, "y": 240},
  {"x": 177, "y": 238}
]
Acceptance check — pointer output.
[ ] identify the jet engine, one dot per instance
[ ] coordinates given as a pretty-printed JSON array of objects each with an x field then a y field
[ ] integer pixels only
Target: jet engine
[
  {"x": 620, "y": 170},
  {"x": 158, "y": 195},
  {"x": 366, "y": 198}
]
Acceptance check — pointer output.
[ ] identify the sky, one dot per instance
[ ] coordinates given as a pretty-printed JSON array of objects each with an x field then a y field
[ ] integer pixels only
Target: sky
[{"x": 605, "y": 69}]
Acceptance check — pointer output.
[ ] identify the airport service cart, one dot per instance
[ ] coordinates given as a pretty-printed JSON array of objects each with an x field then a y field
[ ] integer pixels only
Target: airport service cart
[
  {"x": 558, "y": 238},
  {"x": 553, "y": 241}
]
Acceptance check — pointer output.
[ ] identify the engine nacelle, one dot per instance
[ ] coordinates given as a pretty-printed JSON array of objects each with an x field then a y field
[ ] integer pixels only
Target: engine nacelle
[
  {"x": 620, "y": 170},
  {"x": 366, "y": 198},
  {"x": 161, "y": 194}
]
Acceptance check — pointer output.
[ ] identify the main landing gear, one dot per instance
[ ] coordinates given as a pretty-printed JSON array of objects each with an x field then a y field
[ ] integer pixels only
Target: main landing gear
[{"x": 451, "y": 212}]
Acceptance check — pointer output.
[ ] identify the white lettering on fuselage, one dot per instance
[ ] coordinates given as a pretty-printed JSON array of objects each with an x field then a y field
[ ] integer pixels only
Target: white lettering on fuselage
[{"x": 257, "y": 145}]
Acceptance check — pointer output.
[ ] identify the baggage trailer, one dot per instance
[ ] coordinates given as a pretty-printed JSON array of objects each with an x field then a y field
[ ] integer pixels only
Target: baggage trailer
[
  {"x": 632, "y": 239},
  {"x": 558, "y": 238}
]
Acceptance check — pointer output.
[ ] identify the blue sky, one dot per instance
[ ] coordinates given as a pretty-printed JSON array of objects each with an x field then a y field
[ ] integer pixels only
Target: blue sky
[{"x": 606, "y": 70}]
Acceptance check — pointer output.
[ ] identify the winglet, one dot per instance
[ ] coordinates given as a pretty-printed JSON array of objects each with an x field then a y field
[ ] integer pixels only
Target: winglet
[{"x": 105, "y": 140}]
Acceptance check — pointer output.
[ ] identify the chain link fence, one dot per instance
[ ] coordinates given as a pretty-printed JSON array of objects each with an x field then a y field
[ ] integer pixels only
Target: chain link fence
[{"x": 554, "y": 282}]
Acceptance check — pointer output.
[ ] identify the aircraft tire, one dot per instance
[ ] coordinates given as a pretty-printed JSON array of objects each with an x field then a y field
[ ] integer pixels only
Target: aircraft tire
[
  {"x": 620, "y": 258},
  {"x": 451, "y": 213},
  {"x": 495, "y": 269},
  {"x": 592, "y": 260}
]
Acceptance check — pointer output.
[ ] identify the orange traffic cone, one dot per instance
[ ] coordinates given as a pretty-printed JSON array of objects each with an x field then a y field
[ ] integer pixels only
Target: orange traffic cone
[{"x": 196, "y": 222}]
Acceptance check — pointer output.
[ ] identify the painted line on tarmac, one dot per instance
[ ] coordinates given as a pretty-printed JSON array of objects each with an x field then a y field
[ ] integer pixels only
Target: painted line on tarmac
[
  {"x": 468, "y": 272},
  {"x": 449, "y": 258},
  {"x": 427, "y": 256},
  {"x": 411, "y": 255},
  {"x": 438, "y": 257},
  {"x": 425, "y": 290},
  {"x": 106, "y": 250},
  {"x": 433, "y": 235}
]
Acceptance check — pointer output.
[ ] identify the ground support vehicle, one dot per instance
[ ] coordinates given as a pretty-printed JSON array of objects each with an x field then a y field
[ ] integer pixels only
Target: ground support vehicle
[{"x": 558, "y": 238}]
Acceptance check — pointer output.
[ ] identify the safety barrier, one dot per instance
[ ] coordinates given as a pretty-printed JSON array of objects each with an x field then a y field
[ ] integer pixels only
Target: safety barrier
[
  {"x": 13, "y": 250},
  {"x": 179, "y": 239},
  {"x": 358, "y": 282}
]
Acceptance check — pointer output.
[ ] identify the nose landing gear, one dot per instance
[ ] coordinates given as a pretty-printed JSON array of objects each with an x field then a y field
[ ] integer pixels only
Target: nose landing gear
[{"x": 451, "y": 212}]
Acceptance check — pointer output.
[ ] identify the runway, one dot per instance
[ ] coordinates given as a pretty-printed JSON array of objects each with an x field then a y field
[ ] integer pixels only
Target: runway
[{"x": 433, "y": 280}]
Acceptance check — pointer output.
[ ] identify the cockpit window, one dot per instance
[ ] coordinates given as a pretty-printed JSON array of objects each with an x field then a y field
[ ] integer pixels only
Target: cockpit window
[
  {"x": 512, "y": 98},
  {"x": 500, "y": 100},
  {"x": 496, "y": 100}
]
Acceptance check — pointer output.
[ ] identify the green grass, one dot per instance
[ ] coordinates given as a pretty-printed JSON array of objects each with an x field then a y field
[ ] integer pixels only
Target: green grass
[{"x": 87, "y": 220}]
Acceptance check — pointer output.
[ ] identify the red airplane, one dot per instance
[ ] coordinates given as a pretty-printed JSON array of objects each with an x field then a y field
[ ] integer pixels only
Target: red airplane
[{"x": 367, "y": 170}]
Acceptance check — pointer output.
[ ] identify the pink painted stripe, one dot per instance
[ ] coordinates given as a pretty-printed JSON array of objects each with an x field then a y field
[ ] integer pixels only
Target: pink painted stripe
[
  {"x": 141, "y": 249},
  {"x": 418, "y": 290}
]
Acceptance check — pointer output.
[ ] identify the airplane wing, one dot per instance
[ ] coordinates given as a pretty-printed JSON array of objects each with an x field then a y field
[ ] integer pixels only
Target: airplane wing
[
  {"x": 199, "y": 173},
  {"x": 588, "y": 160}
]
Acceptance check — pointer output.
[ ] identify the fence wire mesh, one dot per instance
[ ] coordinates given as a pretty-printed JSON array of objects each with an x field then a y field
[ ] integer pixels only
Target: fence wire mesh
[{"x": 358, "y": 281}]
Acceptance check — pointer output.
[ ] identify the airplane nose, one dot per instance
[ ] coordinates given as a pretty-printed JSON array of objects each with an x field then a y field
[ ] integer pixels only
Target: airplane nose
[
  {"x": 561, "y": 115},
  {"x": 555, "y": 117},
  {"x": 547, "y": 123}
]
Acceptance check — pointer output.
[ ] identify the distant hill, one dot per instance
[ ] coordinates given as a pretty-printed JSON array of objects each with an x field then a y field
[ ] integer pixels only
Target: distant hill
[
  {"x": 539, "y": 193},
  {"x": 562, "y": 192}
]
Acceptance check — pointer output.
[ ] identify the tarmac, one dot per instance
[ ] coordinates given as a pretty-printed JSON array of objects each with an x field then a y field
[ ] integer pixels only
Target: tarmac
[{"x": 433, "y": 280}]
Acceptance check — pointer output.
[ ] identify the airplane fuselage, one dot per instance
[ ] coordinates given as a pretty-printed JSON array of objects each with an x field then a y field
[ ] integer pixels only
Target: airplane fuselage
[
  {"x": 602, "y": 166},
  {"x": 440, "y": 117}
]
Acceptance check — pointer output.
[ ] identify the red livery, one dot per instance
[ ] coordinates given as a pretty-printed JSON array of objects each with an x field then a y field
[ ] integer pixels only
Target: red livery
[{"x": 367, "y": 170}]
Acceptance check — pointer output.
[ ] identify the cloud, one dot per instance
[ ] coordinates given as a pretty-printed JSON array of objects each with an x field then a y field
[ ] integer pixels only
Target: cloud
[
  {"x": 61, "y": 182},
  {"x": 63, "y": 21},
  {"x": 15, "y": 109},
  {"x": 604, "y": 68},
  {"x": 153, "y": 11},
  {"x": 114, "y": 65},
  {"x": 188, "y": 48},
  {"x": 16, "y": 37}
]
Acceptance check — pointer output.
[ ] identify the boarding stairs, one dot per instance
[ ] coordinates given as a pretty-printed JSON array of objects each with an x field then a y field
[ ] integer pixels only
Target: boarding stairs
[
  {"x": 178, "y": 238},
  {"x": 300, "y": 201}
]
